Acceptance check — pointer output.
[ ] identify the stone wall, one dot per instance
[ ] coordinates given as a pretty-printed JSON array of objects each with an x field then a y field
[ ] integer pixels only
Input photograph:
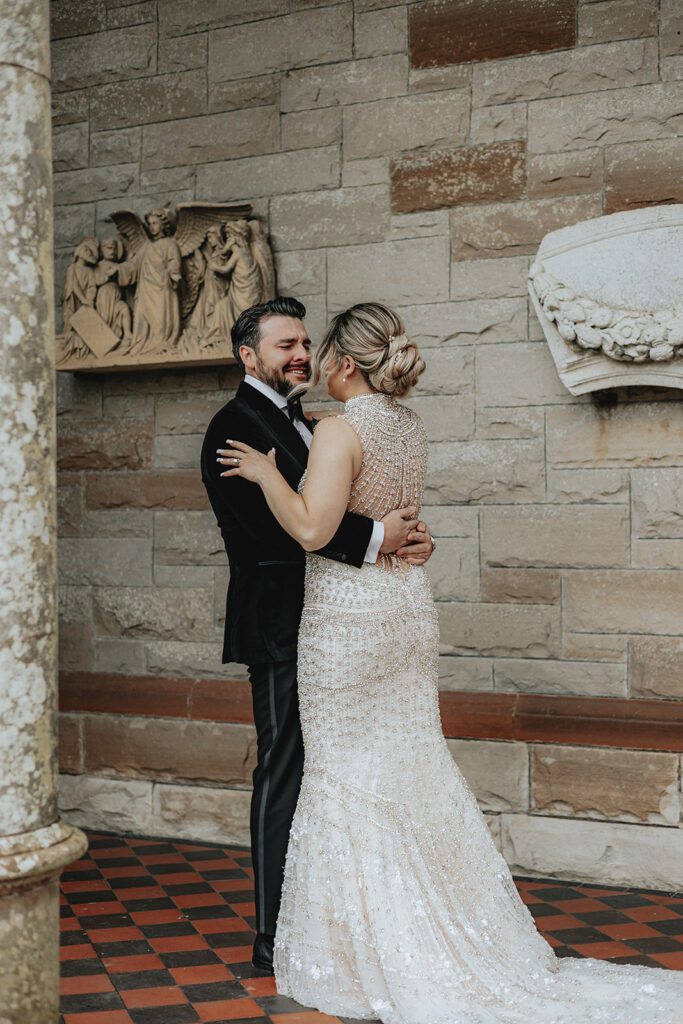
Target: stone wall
[{"x": 416, "y": 153}]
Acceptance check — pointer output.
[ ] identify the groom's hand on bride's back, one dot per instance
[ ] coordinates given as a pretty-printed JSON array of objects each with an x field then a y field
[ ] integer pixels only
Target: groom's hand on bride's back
[{"x": 406, "y": 536}]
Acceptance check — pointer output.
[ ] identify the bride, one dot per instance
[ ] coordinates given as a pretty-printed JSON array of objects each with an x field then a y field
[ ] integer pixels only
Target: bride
[{"x": 396, "y": 904}]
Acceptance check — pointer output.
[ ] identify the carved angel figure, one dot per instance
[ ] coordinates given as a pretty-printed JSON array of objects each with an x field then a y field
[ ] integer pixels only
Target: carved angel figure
[{"x": 252, "y": 277}]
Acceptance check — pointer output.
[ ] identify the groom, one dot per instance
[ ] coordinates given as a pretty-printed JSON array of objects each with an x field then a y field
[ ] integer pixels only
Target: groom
[{"x": 266, "y": 589}]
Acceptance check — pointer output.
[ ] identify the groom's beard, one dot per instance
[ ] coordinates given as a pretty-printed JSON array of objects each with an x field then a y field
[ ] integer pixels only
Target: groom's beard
[{"x": 276, "y": 378}]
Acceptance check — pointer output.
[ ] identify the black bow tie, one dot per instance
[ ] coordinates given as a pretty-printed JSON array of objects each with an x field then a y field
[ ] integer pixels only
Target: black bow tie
[{"x": 294, "y": 410}]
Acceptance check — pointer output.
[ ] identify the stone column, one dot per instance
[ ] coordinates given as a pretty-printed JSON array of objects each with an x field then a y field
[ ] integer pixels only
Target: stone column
[{"x": 34, "y": 844}]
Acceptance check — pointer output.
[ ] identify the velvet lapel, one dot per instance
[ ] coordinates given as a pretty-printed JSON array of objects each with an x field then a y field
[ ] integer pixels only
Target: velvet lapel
[{"x": 284, "y": 434}]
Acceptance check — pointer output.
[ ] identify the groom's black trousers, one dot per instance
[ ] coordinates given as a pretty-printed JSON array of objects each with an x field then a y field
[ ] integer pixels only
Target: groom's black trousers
[{"x": 277, "y": 780}]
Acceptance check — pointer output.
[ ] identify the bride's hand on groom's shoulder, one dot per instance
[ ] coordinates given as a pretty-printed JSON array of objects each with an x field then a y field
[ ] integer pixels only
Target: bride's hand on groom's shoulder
[{"x": 246, "y": 462}]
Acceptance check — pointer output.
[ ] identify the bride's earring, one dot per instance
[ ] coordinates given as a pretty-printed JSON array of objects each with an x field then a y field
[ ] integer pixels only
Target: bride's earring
[{"x": 343, "y": 380}]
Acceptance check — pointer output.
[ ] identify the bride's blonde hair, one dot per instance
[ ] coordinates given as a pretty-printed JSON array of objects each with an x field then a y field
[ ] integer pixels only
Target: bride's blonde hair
[{"x": 374, "y": 336}]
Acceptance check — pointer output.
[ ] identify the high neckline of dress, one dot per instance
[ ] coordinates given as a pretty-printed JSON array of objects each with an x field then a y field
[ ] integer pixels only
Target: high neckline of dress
[{"x": 375, "y": 396}]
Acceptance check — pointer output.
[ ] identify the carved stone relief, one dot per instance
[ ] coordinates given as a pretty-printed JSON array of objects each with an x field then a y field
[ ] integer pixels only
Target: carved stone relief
[
  {"x": 166, "y": 291},
  {"x": 609, "y": 295}
]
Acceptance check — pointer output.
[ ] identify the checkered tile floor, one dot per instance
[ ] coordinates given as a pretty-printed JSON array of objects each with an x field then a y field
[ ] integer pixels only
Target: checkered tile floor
[{"x": 160, "y": 933}]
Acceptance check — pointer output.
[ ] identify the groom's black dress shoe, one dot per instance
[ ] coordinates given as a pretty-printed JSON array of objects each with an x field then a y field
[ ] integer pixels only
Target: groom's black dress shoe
[{"x": 262, "y": 956}]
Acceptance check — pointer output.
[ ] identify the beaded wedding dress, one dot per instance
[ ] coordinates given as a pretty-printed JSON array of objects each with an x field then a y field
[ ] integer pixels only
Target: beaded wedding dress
[{"x": 396, "y": 904}]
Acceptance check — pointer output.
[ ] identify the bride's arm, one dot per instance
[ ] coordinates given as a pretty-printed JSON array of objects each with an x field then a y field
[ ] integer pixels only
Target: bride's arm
[{"x": 312, "y": 517}]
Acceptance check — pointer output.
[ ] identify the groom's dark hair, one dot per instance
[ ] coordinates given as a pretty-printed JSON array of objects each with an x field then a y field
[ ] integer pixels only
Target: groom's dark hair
[{"x": 246, "y": 330}]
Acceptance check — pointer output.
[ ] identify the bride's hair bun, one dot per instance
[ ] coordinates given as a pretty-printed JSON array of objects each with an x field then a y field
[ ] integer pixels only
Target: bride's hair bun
[{"x": 400, "y": 368}]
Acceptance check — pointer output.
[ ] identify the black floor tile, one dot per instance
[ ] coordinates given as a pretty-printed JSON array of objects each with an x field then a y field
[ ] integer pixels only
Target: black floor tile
[
  {"x": 132, "y": 882},
  {"x": 186, "y": 888},
  {"x": 581, "y": 936},
  {"x": 93, "y": 922},
  {"x": 79, "y": 968},
  {"x": 91, "y": 1002},
  {"x": 209, "y": 913},
  {"x": 141, "y": 979},
  {"x": 659, "y": 944},
  {"x": 165, "y": 1015},
  {"x": 635, "y": 961},
  {"x": 166, "y": 931},
  {"x": 191, "y": 958},
  {"x": 134, "y": 947},
  {"x": 671, "y": 926},
  {"x": 210, "y": 992},
  {"x": 73, "y": 938},
  {"x": 134, "y": 906},
  {"x": 219, "y": 940},
  {"x": 596, "y": 918},
  {"x": 626, "y": 900}
]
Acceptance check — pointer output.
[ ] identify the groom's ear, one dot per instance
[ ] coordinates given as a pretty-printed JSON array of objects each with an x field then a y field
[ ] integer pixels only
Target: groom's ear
[{"x": 248, "y": 357}]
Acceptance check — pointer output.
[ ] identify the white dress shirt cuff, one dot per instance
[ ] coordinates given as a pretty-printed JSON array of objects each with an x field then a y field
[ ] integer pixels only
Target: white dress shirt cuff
[{"x": 376, "y": 541}]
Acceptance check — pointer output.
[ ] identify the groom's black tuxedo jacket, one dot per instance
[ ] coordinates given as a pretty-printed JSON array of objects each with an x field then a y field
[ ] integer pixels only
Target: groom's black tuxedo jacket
[{"x": 265, "y": 593}]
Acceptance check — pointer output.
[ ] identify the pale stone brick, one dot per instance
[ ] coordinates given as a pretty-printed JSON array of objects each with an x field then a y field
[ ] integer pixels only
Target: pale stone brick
[
  {"x": 657, "y": 554},
  {"x": 449, "y": 372},
  {"x": 350, "y": 82},
  {"x": 144, "y": 101},
  {"x": 277, "y": 173},
  {"x": 296, "y": 40},
  {"x": 184, "y": 576},
  {"x": 383, "y": 31},
  {"x": 85, "y": 61},
  {"x": 454, "y": 569},
  {"x": 160, "y": 382},
  {"x": 69, "y": 107},
  {"x": 643, "y": 174},
  {"x": 118, "y": 523},
  {"x": 78, "y": 397},
  {"x": 518, "y": 374},
  {"x": 656, "y": 667},
  {"x": 446, "y": 418},
  {"x": 122, "y": 657},
  {"x": 617, "y": 19},
  {"x": 588, "y": 485},
  {"x": 77, "y": 17},
  {"x": 419, "y": 225},
  {"x": 607, "y": 853},
  {"x": 623, "y": 785},
  {"x": 621, "y": 115},
  {"x": 556, "y": 535},
  {"x": 261, "y": 91},
  {"x": 212, "y": 815},
  {"x": 69, "y": 509},
  {"x": 490, "y": 279},
  {"x": 657, "y": 496},
  {"x": 594, "y": 646},
  {"x": 187, "y": 538},
  {"x": 173, "y": 452},
  {"x": 670, "y": 28},
  {"x": 336, "y": 217},
  {"x": 300, "y": 272},
  {"x": 115, "y": 146},
  {"x": 408, "y": 122},
  {"x": 126, "y": 407},
  {"x": 512, "y": 229},
  {"x": 403, "y": 273},
  {"x": 623, "y": 601},
  {"x": 93, "y": 183},
  {"x": 451, "y": 520},
  {"x": 527, "y": 586},
  {"x": 564, "y": 678},
  {"x": 105, "y": 562},
  {"x": 493, "y": 124},
  {"x": 671, "y": 69},
  {"x": 366, "y": 172},
  {"x": 168, "y": 179},
  {"x": 554, "y": 174},
  {"x": 493, "y": 823},
  {"x": 500, "y": 423},
  {"x": 153, "y": 613},
  {"x": 200, "y": 660},
  {"x": 453, "y": 76},
  {"x": 112, "y": 805},
  {"x": 499, "y": 630},
  {"x": 70, "y": 147},
  {"x": 471, "y": 674},
  {"x": 71, "y": 224},
  {"x": 496, "y": 772},
  {"x": 304, "y": 129},
  {"x": 178, "y": 18},
  {"x": 188, "y": 413},
  {"x": 578, "y": 70},
  {"x": 200, "y": 140},
  {"x": 629, "y": 435},
  {"x": 183, "y": 54},
  {"x": 466, "y": 323},
  {"x": 132, "y": 14},
  {"x": 485, "y": 471}
]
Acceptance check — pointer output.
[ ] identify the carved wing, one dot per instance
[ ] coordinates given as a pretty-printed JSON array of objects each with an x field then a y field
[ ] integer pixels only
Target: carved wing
[
  {"x": 195, "y": 219},
  {"x": 260, "y": 248},
  {"x": 131, "y": 229},
  {"x": 190, "y": 282}
]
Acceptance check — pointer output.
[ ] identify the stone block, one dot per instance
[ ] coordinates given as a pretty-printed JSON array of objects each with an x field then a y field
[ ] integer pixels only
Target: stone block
[
  {"x": 340, "y": 84},
  {"x": 93, "y": 59},
  {"x": 454, "y": 569},
  {"x": 419, "y": 225},
  {"x": 410, "y": 122},
  {"x": 454, "y": 76},
  {"x": 69, "y": 107},
  {"x": 432, "y": 180},
  {"x": 500, "y": 423},
  {"x": 128, "y": 407},
  {"x": 493, "y": 124},
  {"x": 167, "y": 489},
  {"x": 132, "y": 14},
  {"x": 110, "y": 805},
  {"x": 656, "y": 667},
  {"x": 78, "y": 397},
  {"x": 523, "y": 373},
  {"x": 77, "y": 17},
  {"x": 112, "y": 147},
  {"x": 75, "y": 628},
  {"x": 296, "y": 40},
  {"x": 446, "y": 418},
  {"x": 622, "y": 785},
  {"x": 594, "y": 646},
  {"x": 69, "y": 147},
  {"x": 261, "y": 91},
  {"x": 70, "y": 744},
  {"x": 304, "y": 129},
  {"x": 449, "y": 372},
  {"x": 178, "y": 18},
  {"x": 300, "y": 272},
  {"x": 582, "y": 69},
  {"x": 612, "y": 117},
  {"x": 641, "y": 434},
  {"x": 554, "y": 174},
  {"x": 671, "y": 69},
  {"x": 451, "y": 520},
  {"x": 485, "y": 472},
  {"x": 587, "y": 485},
  {"x": 188, "y": 538},
  {"x": 490, "y": 279},
  {"x": 158, "y": 382},
  {"x": 94, "y": 183},
  {"x": 403, "y": 273},
  {"x": 160, "y": 98},
  {"x": 527, "y": 586},
  {"x": 120, "y": 657},
  {"x": 466, "y": 30},
  {"x": 497, "y": 772},
  {"x": 499, "y": 630},
  {"x": 118, "y": 523},
  {"x": 154, "y": 613},
  {"x": 564, "y": 678},
  {"x": 617, "y": 19},
  {"x": 184, "y": 576},
  {"x": 512, "y": 229},
  {"x": 189, "y": 412},
  {"x": 657, "y": 554},
  {"x": 623, "y": 601},
  {"x": 202, "y": 140},
  {"x": 670, "y": 28},
  {"x": 470, "y": 674},
  {"x": 210, "y": 815},
  {"x": 606, "y": 853},
  {"x": 199, "y": 660},
  {"x": 366, "y": 172},
  {"x": 378, "y": 32},
  {"x": 70, "y": 507},
  {"x": 640, "y": 175},
  {"x": 304, "y": 170},
  {"x": 177, "y": 451},
  {"x": 93, "y": 444},
  {"x": 171, "y": 750},
  {"x": 108, "y": 562},
  {"x": 183, "y": 54},
  {"x": 571, "y": 536}
]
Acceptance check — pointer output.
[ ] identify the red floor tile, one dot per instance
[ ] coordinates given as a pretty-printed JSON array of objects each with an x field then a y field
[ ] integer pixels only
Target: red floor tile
[
  {"x": 127, "y": 934},
  {"x": 629, "y": 931},
  {"x": 672, "y": 960},
  {"x": 101, "y": 1017},
  {"x": 308, "y": 1017},
  {"x": 229, "y": 1009},
  {"x": 174, "y": 943},
  {"x": 604, "y": 950},
  {"x": 88, "y": 983},
  {"x": 157, "y": 916},
  {"x": 126, "y": 964},
  {"x": 81, "y": 952},
  {"x": 222, "y": 924},
  {"x": 137, "y": 998},
  {"x": 95, "y": 909},
  {"x": 202, "y": 975},
  {"x": 234, "y": 954},
  {"x": 651, "y": 913},
  {"x": 200, "y": 899},
  {"x": 259, "y": 987}
]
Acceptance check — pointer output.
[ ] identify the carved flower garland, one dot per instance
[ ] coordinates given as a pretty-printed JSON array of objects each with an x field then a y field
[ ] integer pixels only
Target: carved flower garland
[{"x": 623, "y": 334}]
